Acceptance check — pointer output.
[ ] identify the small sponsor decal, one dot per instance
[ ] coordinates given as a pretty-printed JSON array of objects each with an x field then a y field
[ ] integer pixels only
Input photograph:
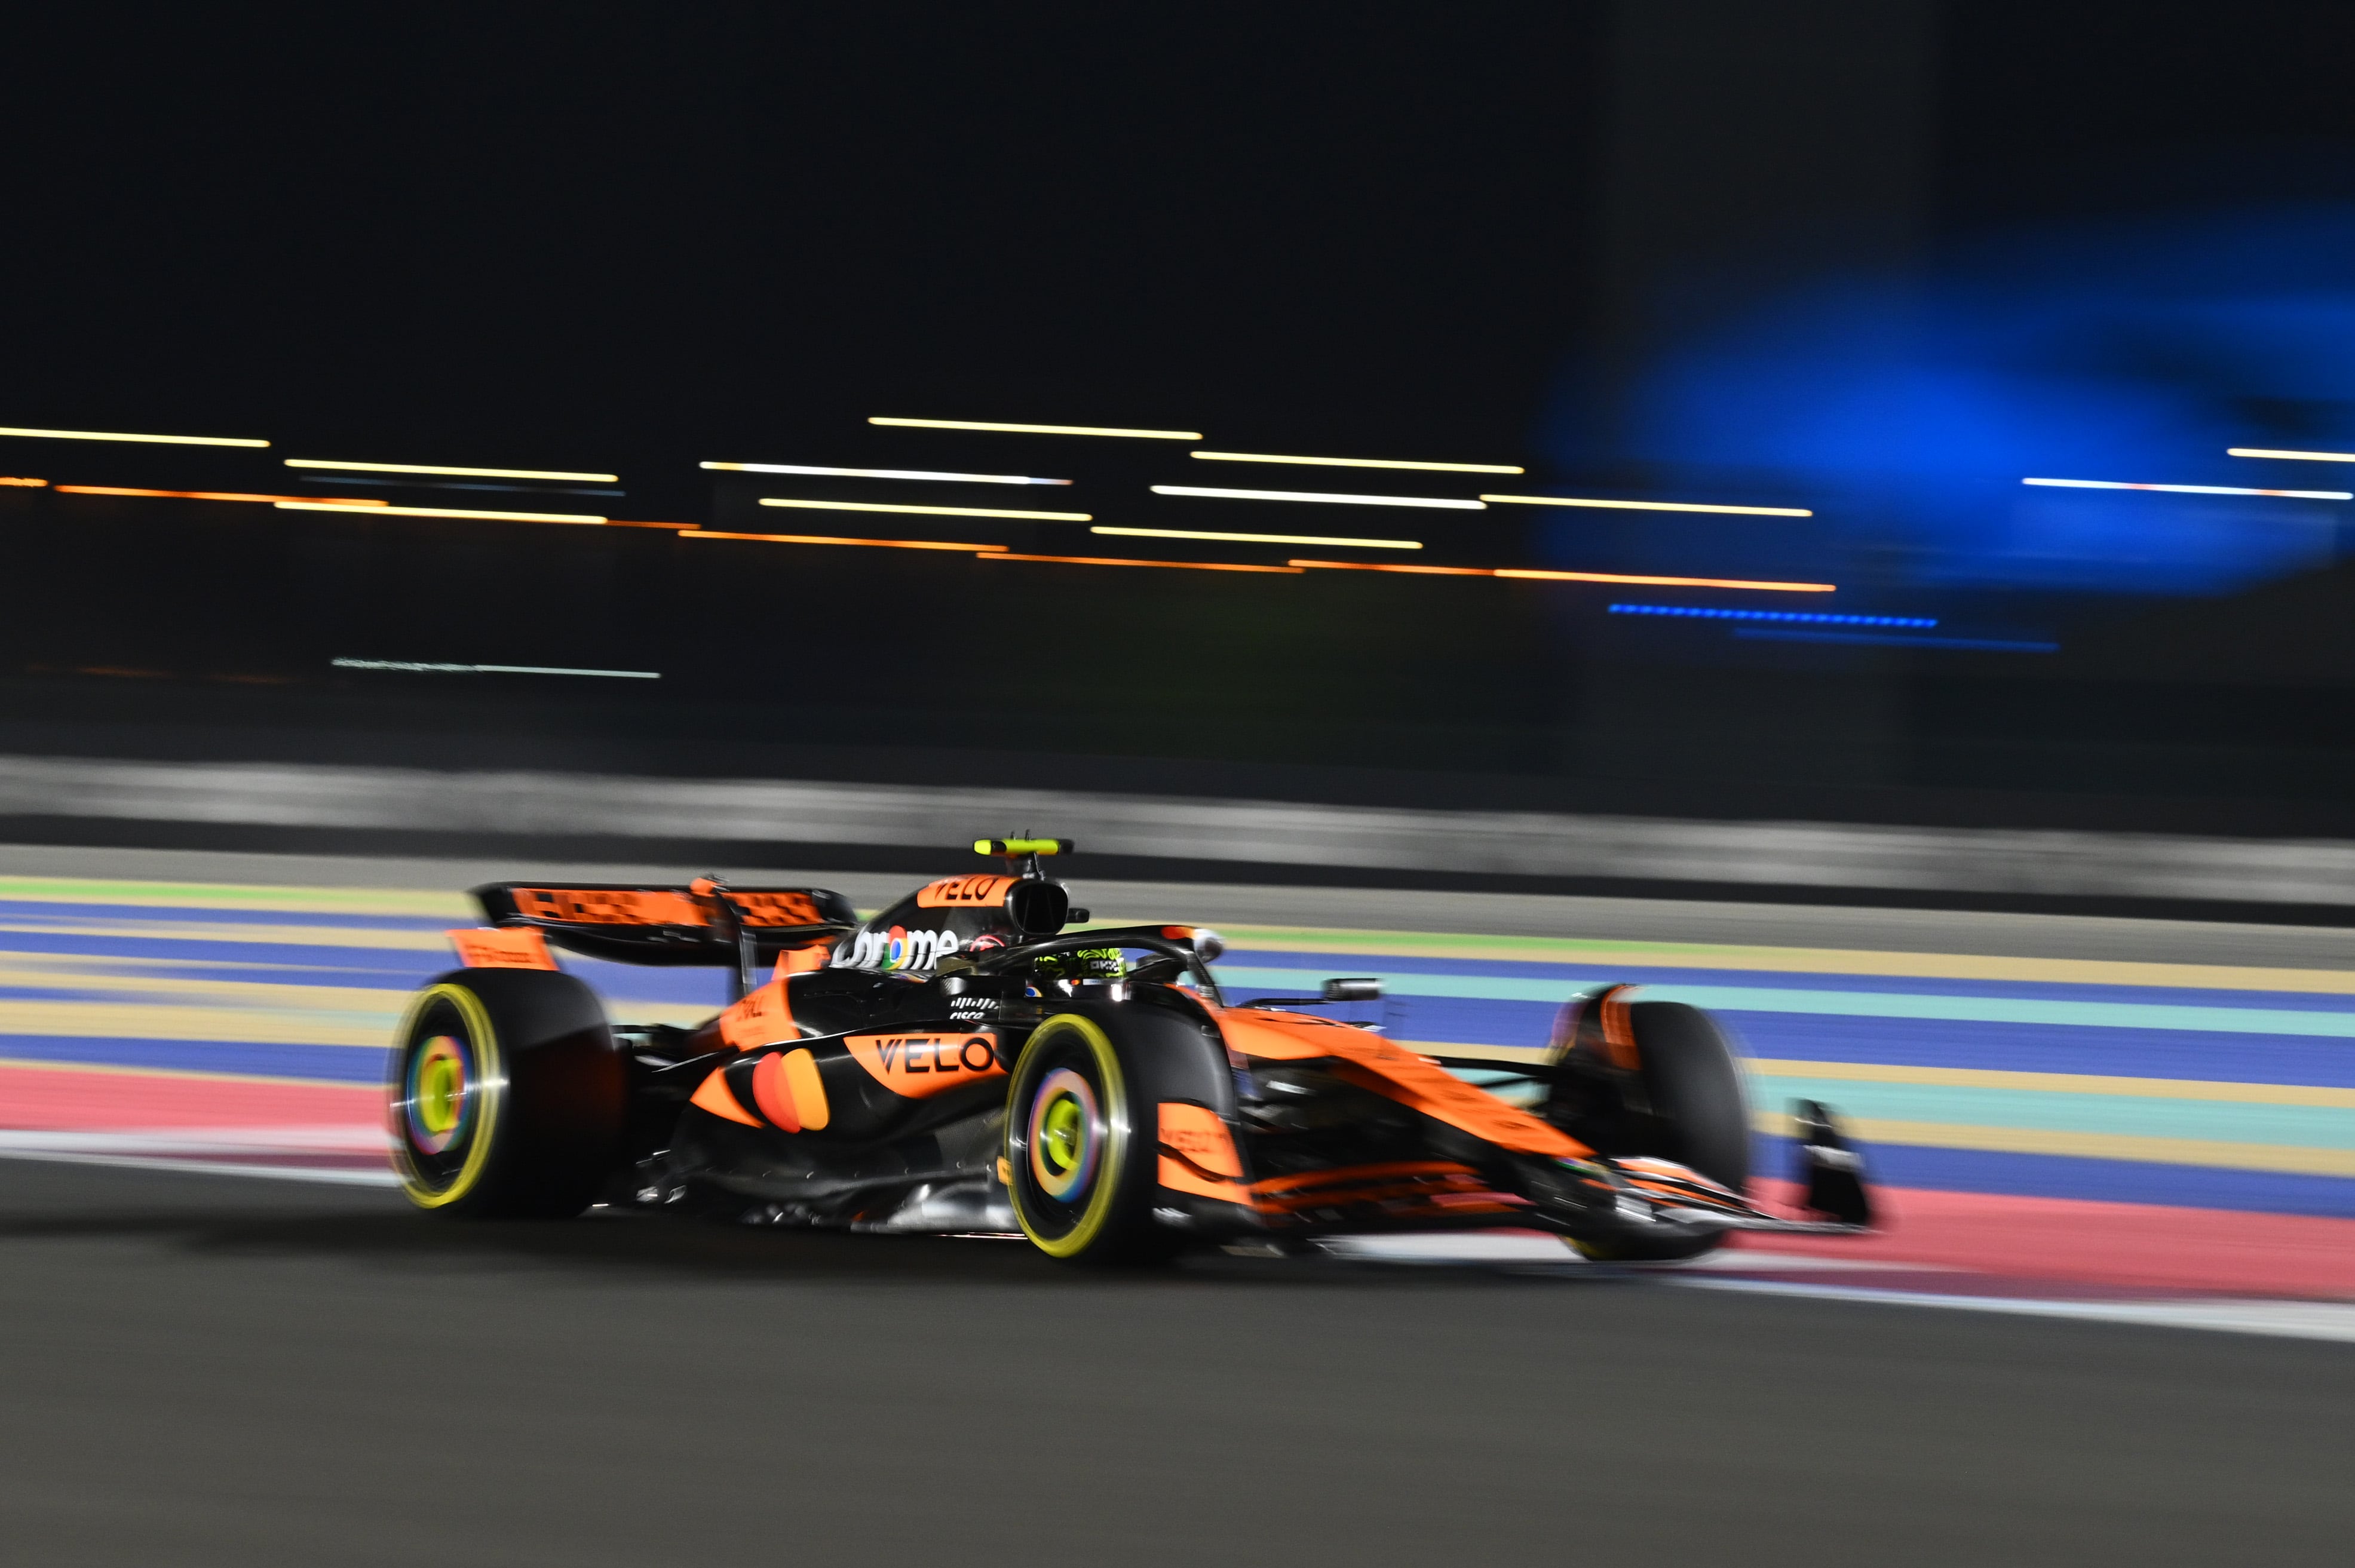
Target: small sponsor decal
[
  {"x": 761, "y": 1016},
  {"x": 491, "y": 947}
]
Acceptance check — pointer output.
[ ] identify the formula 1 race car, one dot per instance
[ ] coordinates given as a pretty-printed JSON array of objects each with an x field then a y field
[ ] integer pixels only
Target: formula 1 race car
[{"x": 963, "y": 1062}]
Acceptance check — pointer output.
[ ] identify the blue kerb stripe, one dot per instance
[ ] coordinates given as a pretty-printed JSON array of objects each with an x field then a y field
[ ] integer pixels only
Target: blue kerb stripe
[
  {"x": 1770, "y": 615},
  {"x": 1826, "y": 1002},
  {"x": 2099, "y": 1180}
]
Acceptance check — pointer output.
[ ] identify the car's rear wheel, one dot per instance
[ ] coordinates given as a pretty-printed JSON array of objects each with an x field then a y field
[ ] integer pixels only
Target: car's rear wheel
[
  {"x": 1699, "y": 1117},
  {"x": 1079, "y": 1165},
  {"x": 507, "y": 1095}
]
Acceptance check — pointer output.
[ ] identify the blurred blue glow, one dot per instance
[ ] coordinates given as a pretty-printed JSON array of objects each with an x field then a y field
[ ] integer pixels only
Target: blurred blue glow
[
  {"x": 1700, "y": 613},
  {"x": 1891, "y": 640},
  {"x": 1907, "y": 411}
]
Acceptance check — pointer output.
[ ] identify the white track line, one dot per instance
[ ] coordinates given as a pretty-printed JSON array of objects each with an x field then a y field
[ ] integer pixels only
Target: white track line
[
  {"x": 2282, "y": 1319},
  {"x": 344, "y": 1139},
  {"x": 2323, "y": 1320},
  {"x": 210, "y": 1167}
]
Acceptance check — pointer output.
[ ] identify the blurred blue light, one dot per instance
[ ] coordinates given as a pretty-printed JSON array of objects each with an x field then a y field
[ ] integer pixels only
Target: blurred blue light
[
  {"x": 1907, "y": 408},
  {"x": 1885, "y": 640},
  {"x": 1769, "y": 615}
]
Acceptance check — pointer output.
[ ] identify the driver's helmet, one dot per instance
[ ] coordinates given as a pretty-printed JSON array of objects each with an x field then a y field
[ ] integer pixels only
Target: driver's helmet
[{"x": 1082, "y": 964}]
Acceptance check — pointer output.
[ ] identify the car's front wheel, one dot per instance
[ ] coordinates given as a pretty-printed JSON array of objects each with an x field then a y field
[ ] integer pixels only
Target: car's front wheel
[
  {"x": 1080, "y": 1149},
  {"x": 1699, "y": 1117}
]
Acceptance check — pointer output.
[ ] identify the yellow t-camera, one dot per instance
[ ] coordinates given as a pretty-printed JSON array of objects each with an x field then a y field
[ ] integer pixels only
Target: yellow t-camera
[{"x": 1024, "y": 847}]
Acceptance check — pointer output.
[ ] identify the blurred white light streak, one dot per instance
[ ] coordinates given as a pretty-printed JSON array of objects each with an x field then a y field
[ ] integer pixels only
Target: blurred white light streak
[
  {"x": 1358, "y": 462},
  {"x": 1039, "y": 429},
  {"x": 928, "y": 511},
  {"x": 2299, "y": 456},
  {"x": 157, "y": 440},
  {"x": 1259, "y": 538},
  {"x": 1324, "y": 495},
  {"x": 2193, "y": 489},
  {"x": 366, "y": 511},
  {"x": 1649, "y": 505},
  {"x": 881, "y": 473},
  {"x": 421, "y": 668},
  {"x": 462, "y": 473}
]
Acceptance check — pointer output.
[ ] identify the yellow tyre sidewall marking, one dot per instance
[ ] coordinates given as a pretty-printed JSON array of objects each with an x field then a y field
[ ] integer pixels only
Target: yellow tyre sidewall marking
[
  {"x": 491, "y": 1086},
  {"x": 1098, "y": 1212}
]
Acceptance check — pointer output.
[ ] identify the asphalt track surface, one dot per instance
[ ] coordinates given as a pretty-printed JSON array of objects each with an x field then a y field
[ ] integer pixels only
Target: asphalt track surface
[
  {"x": 200, "y": 1369},
  {"x": 210, "y": 1371}
]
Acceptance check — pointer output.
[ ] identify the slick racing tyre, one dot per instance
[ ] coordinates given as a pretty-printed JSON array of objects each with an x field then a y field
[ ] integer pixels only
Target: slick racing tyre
[
  {"x": 1080, "y": 1168},
  {"x": 1700, "y": 1117},
  {"x": 506, "y": 1097}
]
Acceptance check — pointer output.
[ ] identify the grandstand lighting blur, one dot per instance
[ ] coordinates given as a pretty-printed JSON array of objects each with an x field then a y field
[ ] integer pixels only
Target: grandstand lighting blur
[
  {"x": 1357, "y": 462},
  {"x": 212, "y": 496},
  {"x": 1291, "y": 570},
  {"x": 880, "y": 473},
  {"x": 117, "y": 435},
  {"x": 928, "y": 511},
  {"x": 1649, "y": 505},
  {"x": 1259, "y": 538},
  {"x": 374, "y": 510},
  {"x": 1511, "y": 572},
  {"x": 458, "y": 473},
  {"x": 2298, "y": 457},
  {"x": 2193, "y": 489},
  {"x": 1324, "y": 495},
  {"x": 813, "y": 539},
  {"x": 24, "y": 483},
  {"x": 1039, "y": 429}
]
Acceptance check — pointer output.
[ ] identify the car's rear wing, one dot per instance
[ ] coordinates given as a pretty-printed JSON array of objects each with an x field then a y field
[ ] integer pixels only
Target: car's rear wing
[{"x": 702, "y": 923}]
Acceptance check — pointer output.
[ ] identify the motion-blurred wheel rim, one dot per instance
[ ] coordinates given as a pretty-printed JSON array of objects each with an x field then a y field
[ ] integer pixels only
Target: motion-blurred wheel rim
[
  {"x": 441, "y": 1075},
  {"x": 1066, "y": 1135}
]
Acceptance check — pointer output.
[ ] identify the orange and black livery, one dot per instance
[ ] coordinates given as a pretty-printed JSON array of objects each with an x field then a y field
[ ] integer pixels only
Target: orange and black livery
[{"x": 977, "y": 1058}]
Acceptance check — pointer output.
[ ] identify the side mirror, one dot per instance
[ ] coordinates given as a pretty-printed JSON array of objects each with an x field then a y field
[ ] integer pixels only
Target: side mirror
[
  {"x": 1207, "y": 944},
  {"x": 1367, "y": 990}
]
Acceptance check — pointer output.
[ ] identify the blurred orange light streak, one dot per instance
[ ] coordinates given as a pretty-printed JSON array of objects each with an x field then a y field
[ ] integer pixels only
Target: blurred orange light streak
[
  {"x": 1649, "y": 505},
  {"x": 1514, "y": 571},
  {"x": 1259, "y": 538},
  {"x": 207, "y": 496},
  {"x": 1111, "y": 560},
  {"x": 813, "y": 539},
  {"x": 380, "y": 510},
  {"x": 26, "y": 483},
  {"x": 1379, "y": 566}
]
